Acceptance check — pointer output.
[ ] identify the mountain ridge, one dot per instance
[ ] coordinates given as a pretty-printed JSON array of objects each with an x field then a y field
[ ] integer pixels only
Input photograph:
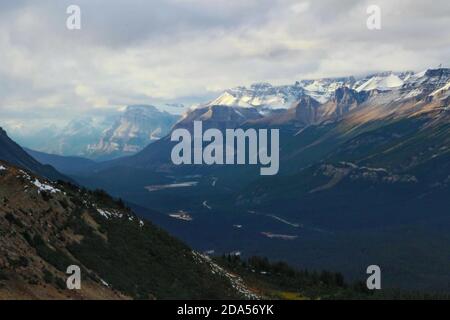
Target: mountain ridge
[{"x": 12, "y": 152}]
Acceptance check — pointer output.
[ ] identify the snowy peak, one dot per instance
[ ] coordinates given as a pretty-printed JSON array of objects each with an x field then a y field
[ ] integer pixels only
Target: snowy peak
[
  {"x": 383, "y": 83},
  {"x": 259, "y": 95}
]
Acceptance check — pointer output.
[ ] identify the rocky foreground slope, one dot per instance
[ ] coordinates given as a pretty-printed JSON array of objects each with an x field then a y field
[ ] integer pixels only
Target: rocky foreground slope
[{"x": 46, "y": 227}]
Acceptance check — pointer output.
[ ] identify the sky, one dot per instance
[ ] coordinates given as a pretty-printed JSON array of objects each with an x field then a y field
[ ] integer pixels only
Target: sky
[{"x": 187, "y": 51}]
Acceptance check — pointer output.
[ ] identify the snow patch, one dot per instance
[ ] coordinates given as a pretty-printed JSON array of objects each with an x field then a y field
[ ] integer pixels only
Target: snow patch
[
  {"x": 381, "y": 83},
  {"x": 236, "y": 282},
  {"x": 45, "y": 187},
  {"x": 109, "y": 214}
]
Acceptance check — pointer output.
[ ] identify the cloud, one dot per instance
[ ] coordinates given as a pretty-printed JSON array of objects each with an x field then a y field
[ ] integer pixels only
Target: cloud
[{"x": 177, "y": 51}]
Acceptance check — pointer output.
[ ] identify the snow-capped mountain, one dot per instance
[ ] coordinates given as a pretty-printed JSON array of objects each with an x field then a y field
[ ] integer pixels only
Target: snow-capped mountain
[
  {"x": 431, "y": 82},
  {"x": 266, "y": 97},
  {"x": 259, "y": 95},
  {"x": 313, "y": 101},
  {"x": 138, "y": 126}
]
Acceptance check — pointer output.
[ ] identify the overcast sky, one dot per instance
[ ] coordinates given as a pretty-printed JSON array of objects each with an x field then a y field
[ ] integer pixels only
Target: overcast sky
[{"x": 159, "y": 51}]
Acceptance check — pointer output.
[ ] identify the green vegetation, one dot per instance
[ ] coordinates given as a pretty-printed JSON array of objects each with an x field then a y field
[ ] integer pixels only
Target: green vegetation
[
  {"x": 280, "y": 281},
  {"x": 277, "y": 280},
  {"x": 53, "y": 256},
  {"x": 143, "y": 262}
]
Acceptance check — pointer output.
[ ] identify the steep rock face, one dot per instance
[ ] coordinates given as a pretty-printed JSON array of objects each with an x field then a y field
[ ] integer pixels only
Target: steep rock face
[
  {"x": 303, "y": 112},
  {"x": 343, "y": 101},
  {"x": 306, "y": 110}
]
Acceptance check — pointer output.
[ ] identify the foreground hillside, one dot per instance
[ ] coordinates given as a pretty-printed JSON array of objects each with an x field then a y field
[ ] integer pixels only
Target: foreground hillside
[{"x": 45, "y": 227}]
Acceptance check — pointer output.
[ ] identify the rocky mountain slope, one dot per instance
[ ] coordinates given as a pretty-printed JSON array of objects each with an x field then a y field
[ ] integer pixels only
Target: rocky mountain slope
[{"x": 46, "y": 227}]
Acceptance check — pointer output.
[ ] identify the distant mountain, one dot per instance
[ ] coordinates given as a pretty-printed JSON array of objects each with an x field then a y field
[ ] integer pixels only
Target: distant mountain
[
  {"x": 138, "y": 126},
  {"x": 74, "y": 139},
  {"x": 13, "y": 153},
  {"x": 51, "y": 226}
]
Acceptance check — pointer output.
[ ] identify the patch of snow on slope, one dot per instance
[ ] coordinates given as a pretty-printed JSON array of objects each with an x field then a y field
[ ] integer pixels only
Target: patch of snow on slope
[
  {"x": 45, "y": 187},
  {"x": 444, "y": 88},
  {"x": 236, "y": 281},
  {"x": 109, "y": 214},
  {"x": 381, "y": 83}
]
